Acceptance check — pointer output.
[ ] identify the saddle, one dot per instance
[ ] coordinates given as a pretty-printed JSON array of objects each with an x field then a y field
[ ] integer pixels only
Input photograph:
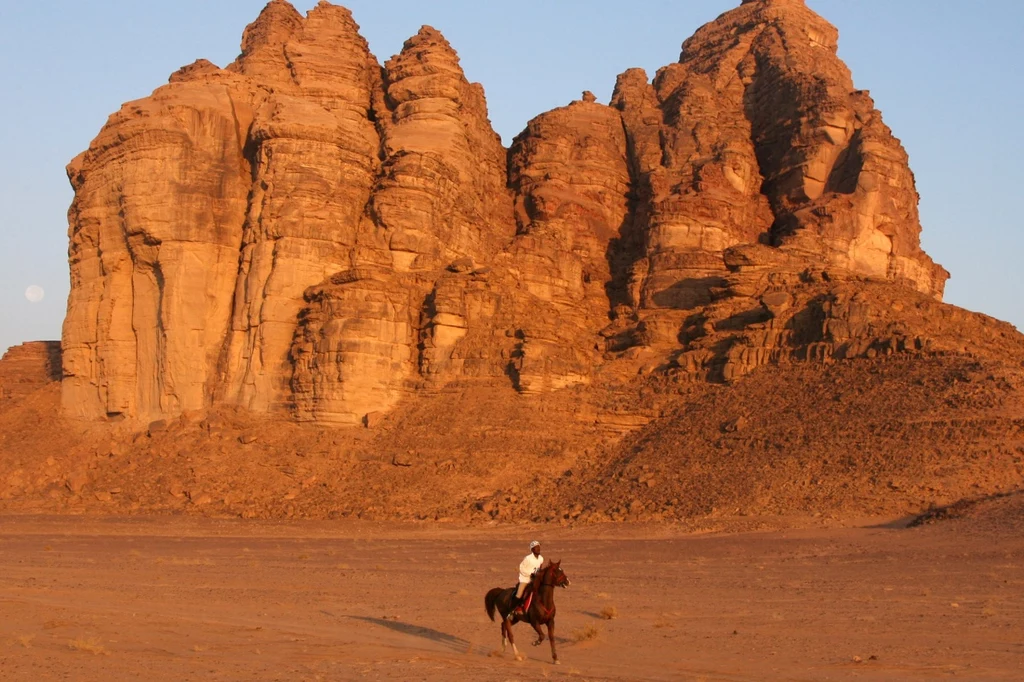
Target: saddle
[{"x": 527, "y": 600}]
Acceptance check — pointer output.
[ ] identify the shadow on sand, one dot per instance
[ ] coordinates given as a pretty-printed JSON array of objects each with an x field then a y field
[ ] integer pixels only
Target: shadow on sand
[
  {"x": 901, "y": 523},
  {"x": 451, "y": 642}
]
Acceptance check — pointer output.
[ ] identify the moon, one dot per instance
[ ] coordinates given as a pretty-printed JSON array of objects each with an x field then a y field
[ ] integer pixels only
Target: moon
[{"x": 34, "y": 293}]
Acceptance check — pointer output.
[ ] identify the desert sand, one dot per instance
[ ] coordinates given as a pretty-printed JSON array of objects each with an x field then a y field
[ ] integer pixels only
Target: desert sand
[{"x": 190, "y": 599}]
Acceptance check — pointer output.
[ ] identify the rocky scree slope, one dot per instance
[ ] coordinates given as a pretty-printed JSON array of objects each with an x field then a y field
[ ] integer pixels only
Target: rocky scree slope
[{"x": 883, "y": 436}]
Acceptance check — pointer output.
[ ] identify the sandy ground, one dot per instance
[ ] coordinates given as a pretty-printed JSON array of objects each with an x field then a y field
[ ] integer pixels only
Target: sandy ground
[{"x": 179, "y": 599}]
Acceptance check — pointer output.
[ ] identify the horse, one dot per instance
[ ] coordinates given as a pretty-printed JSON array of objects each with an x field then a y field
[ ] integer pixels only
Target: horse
[{"x": 541, "y": 611}]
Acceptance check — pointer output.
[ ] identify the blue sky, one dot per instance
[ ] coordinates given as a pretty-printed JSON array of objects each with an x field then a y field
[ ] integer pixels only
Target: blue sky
[{"x": 947, "y": 75}]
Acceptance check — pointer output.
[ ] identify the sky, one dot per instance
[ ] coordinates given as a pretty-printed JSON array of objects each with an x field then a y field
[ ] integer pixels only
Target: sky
[{"x": 946, "y": 74}]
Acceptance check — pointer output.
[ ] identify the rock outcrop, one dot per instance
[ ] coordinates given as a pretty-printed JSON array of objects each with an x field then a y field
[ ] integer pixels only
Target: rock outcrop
[
  {"x": 28, "y": 367},
  {"x": 308, "y": 232},
  {"x": 311, "y": 155},
  {"x": 570, "y": 175},
  {"x": 155, "y": 230},
  {"x": 439, "y": 199}
]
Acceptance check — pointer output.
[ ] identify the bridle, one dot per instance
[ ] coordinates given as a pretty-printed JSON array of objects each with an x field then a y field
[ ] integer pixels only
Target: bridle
[{"x": 547, "y": 573}]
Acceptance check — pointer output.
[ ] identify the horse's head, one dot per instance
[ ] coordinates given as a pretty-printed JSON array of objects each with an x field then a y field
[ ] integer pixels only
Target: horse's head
[{"x": 558, "y": 578}]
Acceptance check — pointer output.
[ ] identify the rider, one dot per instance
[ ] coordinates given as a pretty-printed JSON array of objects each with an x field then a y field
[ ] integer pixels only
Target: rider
[{"x": 527, "y": 567}]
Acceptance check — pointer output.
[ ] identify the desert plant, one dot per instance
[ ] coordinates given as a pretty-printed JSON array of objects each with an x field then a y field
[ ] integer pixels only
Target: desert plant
[
  {"x": 92, "y": 645},
  {"x": 585, "y": 634}
]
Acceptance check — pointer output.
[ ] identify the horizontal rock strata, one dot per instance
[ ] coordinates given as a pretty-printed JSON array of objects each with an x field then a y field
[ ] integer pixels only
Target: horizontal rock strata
[{"x": 28, "y": 367}]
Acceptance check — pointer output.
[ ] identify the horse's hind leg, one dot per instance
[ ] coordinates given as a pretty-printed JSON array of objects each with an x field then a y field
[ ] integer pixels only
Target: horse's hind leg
[{"x": 511, "y": 640}]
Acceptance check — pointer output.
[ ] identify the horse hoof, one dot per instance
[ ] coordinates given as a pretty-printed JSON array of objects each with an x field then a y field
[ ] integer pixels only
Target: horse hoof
[
  {"x": 519, "y": 657},
  {"x": 557, "y": 662}
]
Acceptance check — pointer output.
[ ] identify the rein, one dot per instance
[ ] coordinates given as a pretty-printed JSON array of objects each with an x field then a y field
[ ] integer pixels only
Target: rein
[{"x": 544, "y": 611}]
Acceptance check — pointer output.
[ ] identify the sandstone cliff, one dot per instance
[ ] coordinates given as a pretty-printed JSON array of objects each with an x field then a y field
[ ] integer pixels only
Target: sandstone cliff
[{"x": 310, "y": 233}]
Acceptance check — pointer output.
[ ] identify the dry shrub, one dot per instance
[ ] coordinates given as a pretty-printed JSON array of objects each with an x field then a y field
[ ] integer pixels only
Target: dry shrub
[
  {"x": 92, "y": 645},
  {"x": 609, "y": 613},
  {"x": 585, "y": 634}
]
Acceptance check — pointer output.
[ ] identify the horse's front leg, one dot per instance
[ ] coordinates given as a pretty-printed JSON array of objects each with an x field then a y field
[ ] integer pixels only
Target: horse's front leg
[
  {"x": 551, "y": 638},
  {"x": 540, "y": 634}
]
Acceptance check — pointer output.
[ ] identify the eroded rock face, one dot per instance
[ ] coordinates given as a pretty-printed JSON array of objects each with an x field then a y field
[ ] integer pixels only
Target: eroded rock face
[
  {"x": 758, "y": 135},
  {"x": 442, "y": 193},
  {"x": 313, "y": 153},
  {"x": 439, "y": 203},
  {"x": 307, "y": 231},
  {"x": 155, "y": 229},
  {"x": 837, "y": 180},
  {"x": 570, "y": 175},
  {"x": 27, "y": 367},
  {"x": 354, "y": 349}
]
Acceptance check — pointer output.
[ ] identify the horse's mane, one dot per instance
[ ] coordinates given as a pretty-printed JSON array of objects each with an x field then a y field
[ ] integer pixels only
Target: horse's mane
[{"x": 544, "y": 568}]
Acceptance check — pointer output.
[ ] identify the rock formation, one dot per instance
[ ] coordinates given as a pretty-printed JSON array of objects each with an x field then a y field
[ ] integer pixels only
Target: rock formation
[
  {"x": 308, "y": 232},
  {"x": 28, "y": 367},
  {"x": 311, "y": 155},
  {"x": 439, "y": 198}
]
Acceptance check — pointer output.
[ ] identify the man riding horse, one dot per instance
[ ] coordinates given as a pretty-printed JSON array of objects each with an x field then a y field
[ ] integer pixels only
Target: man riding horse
[
  {"x": 535, "y": 605},
  {"x": 527, "y": 567}
]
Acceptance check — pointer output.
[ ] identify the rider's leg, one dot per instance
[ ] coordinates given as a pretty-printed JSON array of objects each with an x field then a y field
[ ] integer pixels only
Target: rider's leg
[{"x": 517, "y": 598}]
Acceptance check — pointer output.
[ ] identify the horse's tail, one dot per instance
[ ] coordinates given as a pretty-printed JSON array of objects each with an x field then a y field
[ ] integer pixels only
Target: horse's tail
[{"x": 491, "y": 601}]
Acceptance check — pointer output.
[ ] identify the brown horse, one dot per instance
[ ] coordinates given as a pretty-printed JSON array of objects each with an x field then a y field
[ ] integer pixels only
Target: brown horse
[{"x": 541, "y": 611}]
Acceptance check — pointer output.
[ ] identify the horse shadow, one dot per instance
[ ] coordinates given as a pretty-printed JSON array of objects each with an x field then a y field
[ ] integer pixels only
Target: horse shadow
[{"x": 450, "y": 642}]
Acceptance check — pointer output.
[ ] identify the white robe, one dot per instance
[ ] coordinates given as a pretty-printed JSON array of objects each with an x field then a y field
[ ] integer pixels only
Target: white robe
[{"x": 529, "y": 566}]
